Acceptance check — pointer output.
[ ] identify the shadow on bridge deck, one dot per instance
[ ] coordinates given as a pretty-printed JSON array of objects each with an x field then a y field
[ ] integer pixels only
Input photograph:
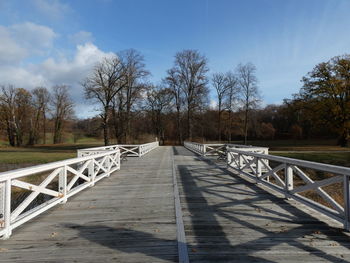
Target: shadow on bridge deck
[
  {"x": 229, "y": 219},
  {"x": 129, "y": 217}
]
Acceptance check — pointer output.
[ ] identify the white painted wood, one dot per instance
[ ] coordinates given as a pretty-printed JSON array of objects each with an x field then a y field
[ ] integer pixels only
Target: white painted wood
[
  {"x": 180, "y": 229},
  {"x": 137, "y": 150},
  {"x": 2, "y": 205},
  {"x": 317, "y": 184},
  {"x": 346, "y": 184},
  {"x": 107, "y": 161},
  {"x": 319, "y": 190},
  {"x": 242, "y": 157}
]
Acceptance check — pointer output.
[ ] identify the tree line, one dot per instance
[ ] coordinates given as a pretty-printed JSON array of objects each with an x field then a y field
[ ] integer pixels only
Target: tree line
[
  {"x": 119, "y": 85},
  {"x": 181, "y": 106},
  {"x": 25, "y": 115}
]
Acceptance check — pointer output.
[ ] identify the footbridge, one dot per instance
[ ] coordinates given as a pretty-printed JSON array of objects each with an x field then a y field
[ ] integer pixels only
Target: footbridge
[{"x": 191, "y": 203}]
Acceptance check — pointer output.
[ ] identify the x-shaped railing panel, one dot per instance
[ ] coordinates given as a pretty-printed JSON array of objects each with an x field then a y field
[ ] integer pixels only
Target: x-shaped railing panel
[
  {"x": 55, "y": 175},
  {"x": 288, "y": 172}
]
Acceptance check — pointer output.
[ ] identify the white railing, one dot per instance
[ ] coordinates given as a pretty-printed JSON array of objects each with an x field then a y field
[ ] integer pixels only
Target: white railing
[
  {"x": 195, "y": 147},
  {"x": 210, "y": 149},
  {"x": 147, "y": 147},
  {"x": 58, "y": 181},
  {"x": 137, "y": 150},
  {"x": 290, "y": 177}
]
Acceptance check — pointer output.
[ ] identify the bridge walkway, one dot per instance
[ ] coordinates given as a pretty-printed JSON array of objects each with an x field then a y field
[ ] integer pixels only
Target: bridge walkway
[{"x": 130, "y": 217}]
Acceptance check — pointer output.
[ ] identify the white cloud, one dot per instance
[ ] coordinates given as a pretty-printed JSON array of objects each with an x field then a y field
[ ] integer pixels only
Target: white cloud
[
  {"x": 53, "y": 9},
  {"x": 81, "y": 37},
  {"x": 52, "y": 71},
  {"x": 20, "y": 77},
  {"x": 71, "y": 71},
  {"x": 55, "y": 71},
  {"x": 32, "y": 36},
  {"x": 21, "y": 43},
  {"x": 22, "y": 40},
  {"x": 10, "y": 51}
]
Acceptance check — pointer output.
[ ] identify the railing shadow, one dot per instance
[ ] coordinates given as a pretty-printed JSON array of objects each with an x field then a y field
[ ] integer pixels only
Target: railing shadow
[
  {"x": 180, "y": 150},
  {"x": 128, "y": 241},
  {"x": 203, "y": 183}
]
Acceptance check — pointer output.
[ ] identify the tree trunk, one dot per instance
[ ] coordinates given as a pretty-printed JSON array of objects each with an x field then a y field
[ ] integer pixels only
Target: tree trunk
[
  {"x": 44, "y": 127},
  {"x": 105, "y": 129},
  {"x": 178, "y": 124},
  {"x": 219, "y": 125},
  {"x": 115, "y": 124},
  {"x": 31, "y": 134},
  {"x": 10, "y": 134},
  {"x": 229, "y": 127},
  {"x": 343, "y": 140},
  {"x": 189, "y": 124},
  {"x": 246, "y": 126},
  {"x": 57, "y": 131}
]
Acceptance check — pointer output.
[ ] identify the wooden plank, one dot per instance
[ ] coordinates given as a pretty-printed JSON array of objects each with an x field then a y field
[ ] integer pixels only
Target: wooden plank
[
  {"x": 131, "y": 217},
  {"x": 228, "y": 219},
  {"x": 180, "y": 230},
  {"x": 128, "y": 217}
]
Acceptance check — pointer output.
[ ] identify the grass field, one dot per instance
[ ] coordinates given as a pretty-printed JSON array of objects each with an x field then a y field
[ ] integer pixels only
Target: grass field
[
  {"x": 317, "y": 151},
  {"x": 335, "y": 158},
  {"x": 312, "y": 150},
  {"x": 18, "y": 157},
  {"x": 323, "y": 151}
]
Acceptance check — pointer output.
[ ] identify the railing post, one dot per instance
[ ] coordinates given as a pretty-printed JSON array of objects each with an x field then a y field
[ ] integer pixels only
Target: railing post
[
  {"x": 228, "y": 158},
  {"x": 91, "y": 171},
  {"x": 288, "y": 174},
  {"x": 140, "y": 154},
  {"x": 6, "y": 203},
  {"x": 62, "y": 184},
  {"x": 240, "y": 160},
  {"x": 118, "y": 160},
  {"x": 204, "y": 149},
  {"x": 346, "y": 203},
  {"x": 2, "y": 204},
  {"x": 108, "y": 164},
  {"x": 258, "y": 169}
]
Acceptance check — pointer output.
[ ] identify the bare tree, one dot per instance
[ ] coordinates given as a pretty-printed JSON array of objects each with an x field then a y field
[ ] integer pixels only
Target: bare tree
[
  {"x": 40, "y": 101},
  {"x": 62, "y": 110},
  {"x": 118, "y": 114},
  {"x": 231, "y": 100},
  {"x": 191, "y": 68},
  {"x": 248, "y": 90},
  {"x": 158, "y": 101},
  {"x": 173, "y": 82},
  {"x": 8, "y": 116},
  {"x": 23, "y": 120},
  {"x": 107, "y": 79},
  {"x": 222, "y": 86},
  {"x": 135, "y": 74}
]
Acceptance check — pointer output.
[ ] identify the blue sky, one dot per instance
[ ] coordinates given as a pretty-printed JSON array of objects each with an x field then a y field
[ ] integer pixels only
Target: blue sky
[{"x": 47, "y": 42}]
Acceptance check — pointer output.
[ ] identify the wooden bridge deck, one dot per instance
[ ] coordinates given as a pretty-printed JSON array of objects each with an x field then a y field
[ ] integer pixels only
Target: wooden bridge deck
[{"x": 130, "y": 217}]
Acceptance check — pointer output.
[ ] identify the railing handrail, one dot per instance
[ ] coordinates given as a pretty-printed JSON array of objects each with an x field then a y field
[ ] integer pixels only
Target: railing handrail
[
  {"x": 245, "y": 146},
  {"x": 125, "y": 149},
  {"x": 306, "y": 164},
  {"x": 251, "y": 163},
  {"x": 116, "y": 145},
  {"x": 91, "y": 165},
  {"x": 64, "y": 175},
  {"x": 219, "y": 148},
  {"x": 227, "y": 144},
  {"x": 21, "y": 172}
]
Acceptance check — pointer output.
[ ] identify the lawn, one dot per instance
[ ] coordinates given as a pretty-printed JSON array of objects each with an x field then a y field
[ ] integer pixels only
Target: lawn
[
  {"x": 335, "y": 158},
  {"x": 18, "y": 157},
  {"x": 311, "y": 150}
]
